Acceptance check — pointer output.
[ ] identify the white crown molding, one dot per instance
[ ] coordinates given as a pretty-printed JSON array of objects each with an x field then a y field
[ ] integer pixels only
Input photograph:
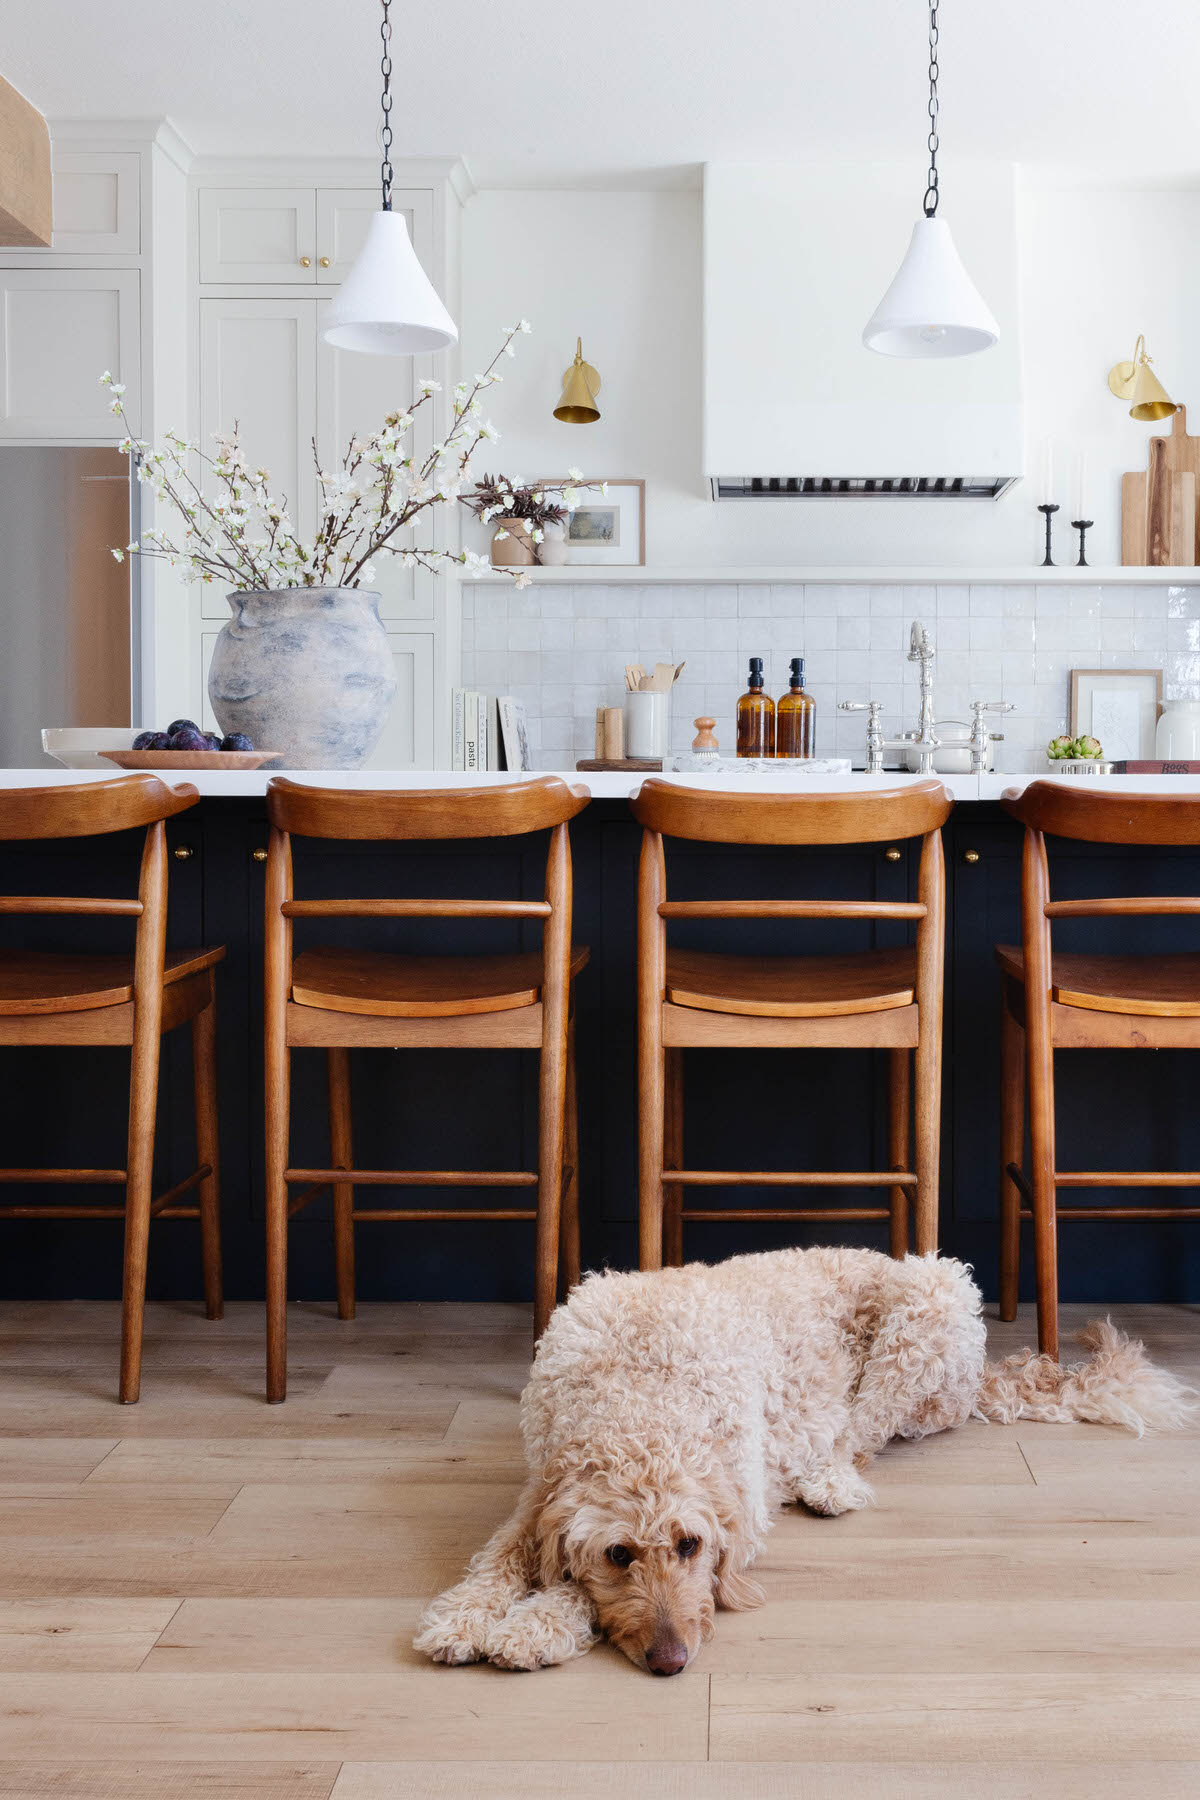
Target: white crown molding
[
  {"x": 332, "y": 171},
  {"x": 123, "y": 134}
]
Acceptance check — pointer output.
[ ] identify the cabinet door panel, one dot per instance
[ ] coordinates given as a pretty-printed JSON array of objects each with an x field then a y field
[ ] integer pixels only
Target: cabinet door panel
[
  {"x": 258, "y": 234},
  {"x": 407, "y": 741},
  {"x": 257, "y": 366},
  {"x": 59, "y": 330},
  {"x": 97, "y": 202}
]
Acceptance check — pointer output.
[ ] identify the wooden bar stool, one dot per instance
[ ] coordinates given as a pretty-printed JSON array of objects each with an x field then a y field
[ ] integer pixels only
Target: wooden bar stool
[
  {"x": 1056, "y": 1000},
  {"x": 887, "y": 999},
  {"x": 49, "y": 998},
  {"x": 339, "y": 999}
]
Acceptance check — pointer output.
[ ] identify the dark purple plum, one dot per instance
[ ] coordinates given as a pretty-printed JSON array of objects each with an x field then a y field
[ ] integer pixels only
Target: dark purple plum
[
  {"x": 181, "y": 725},
  {"x": 214, "y": 739},
  {"x": 237, "y": 740},
  {"x": 158, "y": 740},
  {"x": 145, "y": 740},
  {"x": 190, "y": 738}
]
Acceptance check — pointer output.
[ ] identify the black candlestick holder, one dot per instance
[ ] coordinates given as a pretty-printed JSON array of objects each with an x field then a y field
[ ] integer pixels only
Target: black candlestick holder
[
  {"x": 1049, "y": 510},
  {"x": 1082, "y": 526}
]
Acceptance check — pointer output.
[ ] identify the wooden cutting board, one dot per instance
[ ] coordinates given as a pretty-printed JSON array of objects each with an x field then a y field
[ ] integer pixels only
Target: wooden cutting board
[{"x": 1159, "y": 517}]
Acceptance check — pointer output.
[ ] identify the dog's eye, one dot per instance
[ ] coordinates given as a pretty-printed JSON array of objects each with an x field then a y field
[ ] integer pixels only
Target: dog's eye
[
  {"x": 688, "y": 1547},
  {"x": 620, "y": 1555}
]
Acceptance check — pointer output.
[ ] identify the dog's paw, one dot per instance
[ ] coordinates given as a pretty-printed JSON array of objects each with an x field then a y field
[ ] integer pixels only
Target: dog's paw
[
  {"x": 453, "y": 1632},
  {"x": 839, "y": 1489},
  {"x": 542, "y": 1629}
]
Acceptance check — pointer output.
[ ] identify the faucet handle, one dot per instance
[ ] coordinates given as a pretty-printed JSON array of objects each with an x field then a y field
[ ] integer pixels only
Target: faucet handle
[
  {"x": 982, "y": 706},
  {"x": 875, "y": 707}
]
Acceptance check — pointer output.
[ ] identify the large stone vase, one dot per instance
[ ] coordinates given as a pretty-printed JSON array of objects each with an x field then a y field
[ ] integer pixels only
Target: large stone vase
[{"x": 305, "y": 671}]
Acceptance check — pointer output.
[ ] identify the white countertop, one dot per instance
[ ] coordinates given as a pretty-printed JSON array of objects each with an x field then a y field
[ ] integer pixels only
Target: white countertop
[{"x": 605, "y": 785}]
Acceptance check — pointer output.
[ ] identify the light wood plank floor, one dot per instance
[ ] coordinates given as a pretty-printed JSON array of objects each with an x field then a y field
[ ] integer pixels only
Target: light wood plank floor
[{"x": 203, "y": 1596}]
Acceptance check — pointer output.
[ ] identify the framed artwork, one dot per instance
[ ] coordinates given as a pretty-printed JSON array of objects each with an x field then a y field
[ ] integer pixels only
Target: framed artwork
[
  {"x": 1118, "y": 706},
  {"x": 609, "y": 528}
]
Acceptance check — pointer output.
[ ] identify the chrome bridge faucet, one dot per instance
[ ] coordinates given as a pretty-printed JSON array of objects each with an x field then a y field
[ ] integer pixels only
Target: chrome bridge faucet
[{"x": 924, "y": 741}]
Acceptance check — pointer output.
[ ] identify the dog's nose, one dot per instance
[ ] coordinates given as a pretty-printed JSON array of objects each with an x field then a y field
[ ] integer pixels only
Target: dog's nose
[{"x": 667, "y": 1657}]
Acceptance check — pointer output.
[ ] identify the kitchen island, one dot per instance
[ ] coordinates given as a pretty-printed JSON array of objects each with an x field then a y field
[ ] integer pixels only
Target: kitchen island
[{"x": 813, "y": 1108}]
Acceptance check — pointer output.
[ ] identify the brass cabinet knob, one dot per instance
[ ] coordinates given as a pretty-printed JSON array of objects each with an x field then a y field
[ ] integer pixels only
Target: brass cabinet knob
[
  {"x": 970, "y": 856},
  {"x": 259, "y": 855},
  {"x": 306, "y": 262},
  {"x": 324, "y": 262},
  {"x": 183, "y": 853},
  {"x": 893, "y": 855}
]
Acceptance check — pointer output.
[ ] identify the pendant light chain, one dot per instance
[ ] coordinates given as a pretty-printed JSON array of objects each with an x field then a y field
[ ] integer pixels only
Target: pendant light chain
[
  {"x": 385, "y": 136},
  {"x": 931, "y": 180}
]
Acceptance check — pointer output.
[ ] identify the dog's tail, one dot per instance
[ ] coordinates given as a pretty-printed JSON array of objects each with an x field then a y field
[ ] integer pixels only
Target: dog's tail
[{"x": 1117, "y": 1385}]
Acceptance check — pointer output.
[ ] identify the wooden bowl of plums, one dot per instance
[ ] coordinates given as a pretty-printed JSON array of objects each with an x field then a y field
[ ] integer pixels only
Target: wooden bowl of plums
[{"x": 183, "y": 745}]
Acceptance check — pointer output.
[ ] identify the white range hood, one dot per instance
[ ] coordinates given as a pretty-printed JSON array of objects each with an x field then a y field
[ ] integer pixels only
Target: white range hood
[{"x": 795, "y": 259}]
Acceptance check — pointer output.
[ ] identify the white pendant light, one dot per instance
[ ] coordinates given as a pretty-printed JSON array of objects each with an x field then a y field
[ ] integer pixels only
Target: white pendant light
[
  {"x": 387, "y": 305},
  {"x": 932, "y": 308}
]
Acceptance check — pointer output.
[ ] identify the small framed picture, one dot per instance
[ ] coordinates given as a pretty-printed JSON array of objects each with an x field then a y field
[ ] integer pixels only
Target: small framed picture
[
  {"x": 1118, "y": 706},
  {"x": 609, "y": 528}
]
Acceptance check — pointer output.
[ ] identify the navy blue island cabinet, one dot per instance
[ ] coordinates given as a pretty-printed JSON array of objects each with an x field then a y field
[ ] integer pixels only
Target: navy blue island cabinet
[{"x": 798, "y": 1109}]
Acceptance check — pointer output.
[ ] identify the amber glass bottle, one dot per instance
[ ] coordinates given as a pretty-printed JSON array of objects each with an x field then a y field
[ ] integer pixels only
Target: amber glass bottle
[
  {"x": 756, "y": 716},
  {"x": 796, "y": 717}
]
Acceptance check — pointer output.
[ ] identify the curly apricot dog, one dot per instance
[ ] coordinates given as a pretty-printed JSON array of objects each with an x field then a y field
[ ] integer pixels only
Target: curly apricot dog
[{"x": 669, "y": 1414}]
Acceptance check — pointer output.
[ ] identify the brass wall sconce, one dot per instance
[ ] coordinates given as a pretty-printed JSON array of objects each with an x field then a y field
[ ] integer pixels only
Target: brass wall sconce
[
  {"x": 1136, "y": 382},
  {"x": 580, "y": 386}
]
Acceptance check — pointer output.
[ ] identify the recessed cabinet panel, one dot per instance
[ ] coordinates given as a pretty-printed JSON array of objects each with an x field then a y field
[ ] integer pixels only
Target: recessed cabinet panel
[
  {"x": 257, "y": 369},
  {"x": 407, "y": 741},
  {"x": 97, "y": 202},
  {"x": 60, "y": 330},
  {"x": 258, "y": 234},
  {"x": 343, "y": 215}
]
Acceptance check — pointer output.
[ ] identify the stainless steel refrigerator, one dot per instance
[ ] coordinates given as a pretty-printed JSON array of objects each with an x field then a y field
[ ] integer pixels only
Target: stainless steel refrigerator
[{"x": 69, "y": 629}]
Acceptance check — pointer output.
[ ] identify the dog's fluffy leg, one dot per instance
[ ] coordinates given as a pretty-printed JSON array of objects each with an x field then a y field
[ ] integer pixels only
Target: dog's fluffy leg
[
  {"x": 837, "y": 1488},
  {"x": 551, "y": 1625},
  {"x": 456, "y": 1626},
  {"x": 1117, "y": 1385}
]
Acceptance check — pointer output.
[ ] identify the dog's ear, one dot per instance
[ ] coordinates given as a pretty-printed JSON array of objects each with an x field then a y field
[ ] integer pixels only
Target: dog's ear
[
  {"x": 733, "y": 1589},
  {"x": 554, "y": 1516}
]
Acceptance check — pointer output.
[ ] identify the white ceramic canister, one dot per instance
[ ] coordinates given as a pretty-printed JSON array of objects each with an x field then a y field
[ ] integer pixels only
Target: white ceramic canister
[
  {"x": 1177, "y": 735},
  {"x": 647, "y": 723}
]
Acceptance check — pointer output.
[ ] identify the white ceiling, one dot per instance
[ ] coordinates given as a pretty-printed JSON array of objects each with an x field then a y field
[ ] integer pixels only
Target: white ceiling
[{"x": 630, "y": 89}]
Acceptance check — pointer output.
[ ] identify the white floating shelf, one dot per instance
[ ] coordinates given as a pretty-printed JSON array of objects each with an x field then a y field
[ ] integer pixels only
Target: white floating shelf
[{"x": 1019, "y": 575}]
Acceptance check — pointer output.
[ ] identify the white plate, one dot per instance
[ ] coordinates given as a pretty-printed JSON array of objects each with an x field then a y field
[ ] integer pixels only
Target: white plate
[{"x": 79, "y": 746}]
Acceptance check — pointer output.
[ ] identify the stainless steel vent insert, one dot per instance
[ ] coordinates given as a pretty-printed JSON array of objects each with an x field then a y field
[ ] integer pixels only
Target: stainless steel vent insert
[{"x": 861, "y": 487}]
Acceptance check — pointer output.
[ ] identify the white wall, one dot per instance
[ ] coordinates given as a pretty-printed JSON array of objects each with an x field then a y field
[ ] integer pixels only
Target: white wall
[{"x": 624, "y": 269}]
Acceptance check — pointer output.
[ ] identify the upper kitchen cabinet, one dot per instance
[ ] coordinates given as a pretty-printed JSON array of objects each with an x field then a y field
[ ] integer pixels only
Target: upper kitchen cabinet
[
  {"x": 258, "y": 370},
  {"x": 300, "y": 236},
  {"x": 97, "y": 203},
  {"x": 59, "y": 330},
  {"x": 252, "y": 234}
]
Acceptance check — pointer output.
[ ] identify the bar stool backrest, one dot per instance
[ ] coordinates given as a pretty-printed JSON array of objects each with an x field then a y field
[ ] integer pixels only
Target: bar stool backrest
[
  {"x": 91, "y": 809},
  {"x": 1058, "y": 808},
  {"x": 747, "y": 818},
  {"x": 509, "y": 809}
]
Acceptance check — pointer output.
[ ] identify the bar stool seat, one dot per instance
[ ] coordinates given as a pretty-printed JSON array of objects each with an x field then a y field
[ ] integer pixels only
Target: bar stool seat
[
  {"x": 1166, "y": 986},
  {"x": 792, "y": 987},
  {"x": 384, "y": 984},
  {"x": 43, "y": 981}
]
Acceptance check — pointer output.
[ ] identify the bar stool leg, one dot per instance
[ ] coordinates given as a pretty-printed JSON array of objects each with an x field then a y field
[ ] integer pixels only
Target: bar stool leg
[
  {"x": 277, "y": 1113},
  {"x": 139, "y": 1189},
  {"x": 1042, "y": 1169},
  {"x": 570, "y": 1260},
  {"x": 673, "y": 1159},
  {"x": 204, "y": 1083},
  {"x": 928, "y": 1122},
  {"x": 899, "y": 1106},
  {"x": 342, "y": 1157},
  {"x": 551, "y": 1139},
  {"x": 1012, "y": 1150}
]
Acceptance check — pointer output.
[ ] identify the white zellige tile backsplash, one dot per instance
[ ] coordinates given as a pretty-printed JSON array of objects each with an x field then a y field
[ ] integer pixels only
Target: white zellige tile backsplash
[{"x": 562, "y": 651}]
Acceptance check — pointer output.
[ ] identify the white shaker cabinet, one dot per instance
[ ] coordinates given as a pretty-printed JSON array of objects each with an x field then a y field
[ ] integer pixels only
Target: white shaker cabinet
[
  {"x": 253, "y": 234},
  {"x": 60, "y": 329},
  {"x": 97, "y": 203}
]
